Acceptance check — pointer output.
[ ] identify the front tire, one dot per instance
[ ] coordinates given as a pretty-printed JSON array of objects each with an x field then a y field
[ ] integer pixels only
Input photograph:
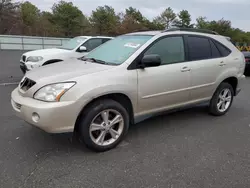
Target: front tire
[
  {"x": 221, "y": 100},
  {"x": 103, "y": 125}
]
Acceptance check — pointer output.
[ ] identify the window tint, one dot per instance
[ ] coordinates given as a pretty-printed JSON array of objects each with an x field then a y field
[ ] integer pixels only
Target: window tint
[
  {"x": 198, "y": 48},
  {"x": 170, "y": 49},
  {"x": 223, "y": 50},
  {"x": 92, "y": 44},
  {"x": 105, "y": 40},
  {"x": 215, "y": 51}
]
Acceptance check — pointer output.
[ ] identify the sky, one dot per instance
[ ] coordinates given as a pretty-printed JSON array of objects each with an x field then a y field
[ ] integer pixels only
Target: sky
[{"x": 235, "y": 10}]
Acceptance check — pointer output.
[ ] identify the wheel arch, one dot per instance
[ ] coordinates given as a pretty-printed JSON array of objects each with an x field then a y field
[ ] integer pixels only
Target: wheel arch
[
  {"x": 52, "y": 61},
  {"x": 233, "y": 81},
  {"x": 121, "y": 98}
]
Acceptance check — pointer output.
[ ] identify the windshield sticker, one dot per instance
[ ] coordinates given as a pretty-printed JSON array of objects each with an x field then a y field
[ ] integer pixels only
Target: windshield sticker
[
  {"x": 79, "y": 40},
  {"x": 132, "y": 45}
]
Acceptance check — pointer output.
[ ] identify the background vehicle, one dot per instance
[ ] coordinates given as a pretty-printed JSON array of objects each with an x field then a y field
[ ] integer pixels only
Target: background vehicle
[
  {"x": 131, "y": 76},
  {"x": 247, "y": 59},
  {"x": 75, "y": 47}
]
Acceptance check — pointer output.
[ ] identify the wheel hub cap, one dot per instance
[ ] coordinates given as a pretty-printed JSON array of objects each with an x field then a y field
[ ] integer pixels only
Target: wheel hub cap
[
  {"x": 224, "y": 101},
  {"x": 106, "y": 127}
]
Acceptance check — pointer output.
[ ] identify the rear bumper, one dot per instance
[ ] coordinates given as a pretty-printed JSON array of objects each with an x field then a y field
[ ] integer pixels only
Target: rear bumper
[{"x": 239, "y": 86}]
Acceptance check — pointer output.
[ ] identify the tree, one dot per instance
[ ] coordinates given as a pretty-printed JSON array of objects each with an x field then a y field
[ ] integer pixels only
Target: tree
[
  {"x": 184, "y": 20},
  {"x": 104, "y": 20},
  {"x": 9, "y": 16},
  {"x": 68, "y": 18},
  {"x": 29, "y": 13},
  {"x": 202, "y": 23},
  {"x": 134, "y": 14},
  {"x": 167, "y": 18},
  {"x": 131, "y": 21},
  {"x": 29, "y": 16}
]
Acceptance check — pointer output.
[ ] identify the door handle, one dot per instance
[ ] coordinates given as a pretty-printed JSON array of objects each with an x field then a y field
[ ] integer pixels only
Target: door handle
[
  {"x": 222, "y": 63},
  {"x": 185, "y": 69}
]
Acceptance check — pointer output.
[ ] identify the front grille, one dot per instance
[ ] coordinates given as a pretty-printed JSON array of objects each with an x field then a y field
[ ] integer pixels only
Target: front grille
[
  {"x": 26, "y": 84},
  {"x": 24, "y": 58}
]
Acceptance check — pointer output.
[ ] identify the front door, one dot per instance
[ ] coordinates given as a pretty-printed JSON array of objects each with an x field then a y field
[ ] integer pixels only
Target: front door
[{"x": 167, "y": 85}]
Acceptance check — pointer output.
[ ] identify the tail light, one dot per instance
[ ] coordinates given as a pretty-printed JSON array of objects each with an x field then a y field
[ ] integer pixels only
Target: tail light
[{"x": 247, "y": 60}]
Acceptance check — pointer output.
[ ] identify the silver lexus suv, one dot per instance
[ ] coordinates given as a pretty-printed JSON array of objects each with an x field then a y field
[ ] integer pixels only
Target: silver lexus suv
[{"x": 134, "y": 75}]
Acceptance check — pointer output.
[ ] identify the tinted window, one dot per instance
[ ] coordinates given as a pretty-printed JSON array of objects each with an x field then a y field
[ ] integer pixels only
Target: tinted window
[
  {"x": 215, "y": 51},
  {"x": 223, "y": 50},
  {"x": 198, "y": 48},
  {"x": 105, "y": 40},
  {"x": 170, "y": 49},
  {"x": 92, "y": 44}
]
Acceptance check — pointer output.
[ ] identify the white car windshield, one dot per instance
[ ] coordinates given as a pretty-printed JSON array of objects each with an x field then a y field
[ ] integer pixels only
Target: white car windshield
[
  {"x": 118, "y": 50},
  {"x": 73, "y": 43}
]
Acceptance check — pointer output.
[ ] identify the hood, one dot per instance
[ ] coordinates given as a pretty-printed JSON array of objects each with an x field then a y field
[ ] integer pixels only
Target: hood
[
  {"x": 45, "y": 52},
  {"x": 65, "y": 70}
]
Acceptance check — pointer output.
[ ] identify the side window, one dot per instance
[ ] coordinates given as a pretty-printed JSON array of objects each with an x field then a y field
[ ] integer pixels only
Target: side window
[
  {"x": 170, "y": 49},
  {"x": 198, "y": 48},
  {"x": 105, "y": 40},
  {"x": 215, "y": 51},
  {"x": 223, "y": 50},
  {"x": 91, "y": 44}
]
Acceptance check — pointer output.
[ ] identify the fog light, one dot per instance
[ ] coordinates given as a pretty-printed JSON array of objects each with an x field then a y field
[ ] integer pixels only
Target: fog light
[{"x": 35, "y": 117}]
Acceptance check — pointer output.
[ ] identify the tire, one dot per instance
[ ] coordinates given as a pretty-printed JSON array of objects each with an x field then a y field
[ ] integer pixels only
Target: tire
[
  {"x": 215, "y": 108},
  {"x": 94, "y": 114}
]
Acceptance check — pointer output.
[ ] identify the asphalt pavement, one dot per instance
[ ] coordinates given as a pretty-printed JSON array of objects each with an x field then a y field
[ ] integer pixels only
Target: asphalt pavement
[
  {"x": 10, "y": 61},
  {"x": 186, "y": 149}
]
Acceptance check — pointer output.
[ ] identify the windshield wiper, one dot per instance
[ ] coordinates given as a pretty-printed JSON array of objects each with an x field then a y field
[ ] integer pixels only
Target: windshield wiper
[{"x": 96, "y": 61}]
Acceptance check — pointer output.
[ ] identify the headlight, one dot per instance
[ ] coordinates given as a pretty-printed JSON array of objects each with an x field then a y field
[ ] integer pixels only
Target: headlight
[
  {"x": 35, "y": 58},
  {"x": 53, "y": 92}
]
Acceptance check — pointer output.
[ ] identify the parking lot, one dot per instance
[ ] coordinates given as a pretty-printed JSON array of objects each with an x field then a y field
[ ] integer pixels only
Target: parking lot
[{"x": 183, "y": 149}]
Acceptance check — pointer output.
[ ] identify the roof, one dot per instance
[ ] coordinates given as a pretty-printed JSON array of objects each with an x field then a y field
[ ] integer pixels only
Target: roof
[
  {"x": 179, "y": 31},
  {"x": 145, "y": 33},
  {"x": 95, "y": 37}
]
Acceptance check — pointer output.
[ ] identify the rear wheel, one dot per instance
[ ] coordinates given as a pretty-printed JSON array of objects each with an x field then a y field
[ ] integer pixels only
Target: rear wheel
[
  {"x": 221, "y": 100},
  {"x": 103, "y": 125}
]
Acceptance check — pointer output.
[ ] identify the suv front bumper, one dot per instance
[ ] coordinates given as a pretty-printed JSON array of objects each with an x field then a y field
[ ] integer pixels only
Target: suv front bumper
[
  {"x": 52, "y": 117},
  {"x": 23, "y": 67}
]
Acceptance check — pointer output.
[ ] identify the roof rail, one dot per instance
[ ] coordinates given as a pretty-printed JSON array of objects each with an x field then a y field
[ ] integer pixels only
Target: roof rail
[{"x": 192, "y": 30}]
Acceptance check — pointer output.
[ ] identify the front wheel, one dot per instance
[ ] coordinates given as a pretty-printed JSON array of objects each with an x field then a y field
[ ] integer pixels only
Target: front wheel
[
  {"x": 103, "y": 125},
  {"x": 221, "y": 100}
]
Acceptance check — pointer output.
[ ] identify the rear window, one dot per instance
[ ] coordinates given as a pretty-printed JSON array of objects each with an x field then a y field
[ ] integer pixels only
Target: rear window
[
  {"x": 215, "y": 51},
  {"x": 223, "y": 50}
]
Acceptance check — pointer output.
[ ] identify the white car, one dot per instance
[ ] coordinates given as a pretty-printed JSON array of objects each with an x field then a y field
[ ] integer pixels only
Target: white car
[{"x": 75, "y": 48}]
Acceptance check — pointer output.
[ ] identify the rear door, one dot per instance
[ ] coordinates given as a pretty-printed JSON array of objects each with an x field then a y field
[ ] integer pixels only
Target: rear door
[{"x": 207, "y": 63}]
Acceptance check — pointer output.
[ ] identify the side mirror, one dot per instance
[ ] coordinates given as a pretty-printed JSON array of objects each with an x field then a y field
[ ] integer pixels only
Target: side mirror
[
  {"x": 152, "y": 60},
  {"x": 82, "y": 49}
]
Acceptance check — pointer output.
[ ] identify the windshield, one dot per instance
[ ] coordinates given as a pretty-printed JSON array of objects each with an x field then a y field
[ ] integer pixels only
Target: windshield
[
  {"x": 118, "y": 50},
  {"x": 73, "y": 43}
]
